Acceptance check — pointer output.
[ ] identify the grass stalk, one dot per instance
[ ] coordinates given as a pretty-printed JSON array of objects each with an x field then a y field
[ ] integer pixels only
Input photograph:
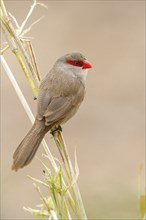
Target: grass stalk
[{"x": 59, "y": 140}]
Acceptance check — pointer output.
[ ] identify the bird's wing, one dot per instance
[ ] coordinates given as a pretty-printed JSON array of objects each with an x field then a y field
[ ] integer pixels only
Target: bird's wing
[
  {"x": 51, "y": 107},
  {"x": 43, "y": 100},
  {"x": 57, "y": 109}
]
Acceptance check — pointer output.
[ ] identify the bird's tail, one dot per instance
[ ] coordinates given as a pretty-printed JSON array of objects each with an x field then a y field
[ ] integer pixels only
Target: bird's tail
[{"x": 26, "y": 150}]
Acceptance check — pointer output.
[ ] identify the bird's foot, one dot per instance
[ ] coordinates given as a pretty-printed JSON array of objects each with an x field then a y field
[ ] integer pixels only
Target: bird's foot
[{"x": 55, "y": 129}]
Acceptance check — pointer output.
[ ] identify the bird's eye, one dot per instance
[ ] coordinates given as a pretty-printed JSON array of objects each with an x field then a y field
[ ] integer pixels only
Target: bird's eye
[{"x": 77, "y": 63}]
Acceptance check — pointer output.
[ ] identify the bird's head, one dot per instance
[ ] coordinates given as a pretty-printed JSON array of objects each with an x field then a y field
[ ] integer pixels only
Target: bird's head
[{"x": 74, "y": 64}]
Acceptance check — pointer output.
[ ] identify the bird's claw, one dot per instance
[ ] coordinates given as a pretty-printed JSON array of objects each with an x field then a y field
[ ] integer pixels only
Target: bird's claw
[{"x": 55, "y": 129}]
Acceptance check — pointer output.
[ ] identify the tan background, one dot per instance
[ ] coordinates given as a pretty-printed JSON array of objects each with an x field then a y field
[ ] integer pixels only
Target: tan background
[{"x": 109, "y": 127}]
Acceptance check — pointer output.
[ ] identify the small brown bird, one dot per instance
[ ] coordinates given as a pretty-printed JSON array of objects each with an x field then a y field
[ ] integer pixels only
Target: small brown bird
[{"x": 59, "y": 97}]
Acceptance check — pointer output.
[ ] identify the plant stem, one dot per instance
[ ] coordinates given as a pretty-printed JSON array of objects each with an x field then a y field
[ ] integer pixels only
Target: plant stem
[
  {"x": 14, "y": 49},
  {"x": 59, "y": 140}
]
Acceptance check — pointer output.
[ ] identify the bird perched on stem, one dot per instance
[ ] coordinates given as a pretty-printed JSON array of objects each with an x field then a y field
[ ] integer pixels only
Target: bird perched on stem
[{"x": 59, "y": 97}]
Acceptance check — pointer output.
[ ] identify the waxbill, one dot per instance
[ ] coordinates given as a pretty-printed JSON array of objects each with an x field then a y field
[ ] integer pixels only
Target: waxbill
[{"x": 59, "y": 97}]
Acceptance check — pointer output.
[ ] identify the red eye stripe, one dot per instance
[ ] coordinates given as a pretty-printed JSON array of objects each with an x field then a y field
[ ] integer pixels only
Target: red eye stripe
[
  {"x": 75, "y": 62},
  {"x": 84, "y": 64}
]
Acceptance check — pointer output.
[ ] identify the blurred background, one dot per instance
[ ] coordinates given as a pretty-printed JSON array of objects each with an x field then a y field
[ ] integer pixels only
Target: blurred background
[{"x": 108, "y": 130}]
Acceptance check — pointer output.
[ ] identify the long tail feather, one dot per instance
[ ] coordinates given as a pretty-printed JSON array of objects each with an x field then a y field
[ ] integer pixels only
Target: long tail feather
[{"x": 26, "y": 150}]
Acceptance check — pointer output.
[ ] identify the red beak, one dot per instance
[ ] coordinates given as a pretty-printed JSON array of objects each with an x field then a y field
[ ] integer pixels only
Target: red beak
[{"x": 86, "y": 65}]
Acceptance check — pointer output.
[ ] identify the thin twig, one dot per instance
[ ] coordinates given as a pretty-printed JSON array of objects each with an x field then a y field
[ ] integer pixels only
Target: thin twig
[
  {"x": 58, "y": 137},
  {"x": 34, "y": 59}
]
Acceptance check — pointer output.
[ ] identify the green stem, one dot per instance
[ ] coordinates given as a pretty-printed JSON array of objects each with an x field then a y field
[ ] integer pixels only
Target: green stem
[{"x": 79, "y": 207}]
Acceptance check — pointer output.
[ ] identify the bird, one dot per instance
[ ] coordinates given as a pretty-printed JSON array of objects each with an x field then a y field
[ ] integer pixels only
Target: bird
[{"x": 59, "y": 97}]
